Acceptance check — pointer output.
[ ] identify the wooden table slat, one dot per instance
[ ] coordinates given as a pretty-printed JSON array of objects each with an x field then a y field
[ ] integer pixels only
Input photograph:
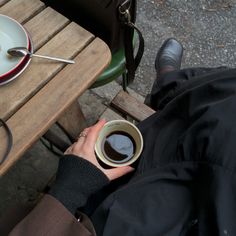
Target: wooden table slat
[
  {"x": 21, "y": 10},
  {"x": 67, "y": 44},
  {"x": 2, "y": 2},
  {"x": 44, "y": 26},
  {"x": 56, "y": 96}
]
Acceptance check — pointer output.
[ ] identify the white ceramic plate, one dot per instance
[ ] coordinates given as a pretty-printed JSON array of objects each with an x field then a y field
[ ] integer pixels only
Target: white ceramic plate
[
  {"x": 19, "y": 70},
  {"x": 12, "y": 34}
]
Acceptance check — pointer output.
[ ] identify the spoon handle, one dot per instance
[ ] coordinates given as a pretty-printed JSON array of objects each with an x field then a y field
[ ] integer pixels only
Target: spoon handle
[{"x": 54, "y": 58}]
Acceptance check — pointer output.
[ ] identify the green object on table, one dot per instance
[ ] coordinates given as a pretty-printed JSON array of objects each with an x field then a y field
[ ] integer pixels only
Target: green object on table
[{"x": 114, "y": 70}]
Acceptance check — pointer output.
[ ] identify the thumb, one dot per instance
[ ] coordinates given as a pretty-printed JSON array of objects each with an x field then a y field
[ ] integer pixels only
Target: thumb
[
  {"x": 118, "y": 172},
  {"x": 93, "y": 133}
]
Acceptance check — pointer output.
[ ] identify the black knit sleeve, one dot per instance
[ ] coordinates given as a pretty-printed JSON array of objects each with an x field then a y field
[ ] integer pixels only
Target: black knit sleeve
[{"x": 76, "y": 180}]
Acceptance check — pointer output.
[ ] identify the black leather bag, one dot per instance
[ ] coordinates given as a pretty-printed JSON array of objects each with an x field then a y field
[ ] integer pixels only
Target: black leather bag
[{"x": 111, "y": 20}]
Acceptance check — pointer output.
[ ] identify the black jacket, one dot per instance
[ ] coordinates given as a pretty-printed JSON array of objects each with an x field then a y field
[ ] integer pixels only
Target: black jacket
[{"x": 185, "y": 183}]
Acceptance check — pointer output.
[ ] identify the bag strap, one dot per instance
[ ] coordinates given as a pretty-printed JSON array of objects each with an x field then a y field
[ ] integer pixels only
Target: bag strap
[
  {"x": 10, "y": 140},
  {"x": 132, "y": 62}
]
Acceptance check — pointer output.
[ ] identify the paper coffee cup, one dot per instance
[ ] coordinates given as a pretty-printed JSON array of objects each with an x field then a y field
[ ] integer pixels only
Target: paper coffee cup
[{"x": 130, "y": 135}]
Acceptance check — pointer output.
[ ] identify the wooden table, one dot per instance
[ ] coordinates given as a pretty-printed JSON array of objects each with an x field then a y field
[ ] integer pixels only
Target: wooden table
[{"x": 47, "y": 91}]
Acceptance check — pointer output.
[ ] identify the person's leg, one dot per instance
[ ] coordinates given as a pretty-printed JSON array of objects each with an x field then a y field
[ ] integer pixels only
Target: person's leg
[
  {"x": 169, "y": 75},
  {"x": 172, "y": 81},
  {"x": 168, "y": 59}
]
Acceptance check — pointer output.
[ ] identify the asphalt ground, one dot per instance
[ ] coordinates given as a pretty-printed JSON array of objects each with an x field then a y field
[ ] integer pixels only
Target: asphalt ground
[{"x": 206, "y": 28}]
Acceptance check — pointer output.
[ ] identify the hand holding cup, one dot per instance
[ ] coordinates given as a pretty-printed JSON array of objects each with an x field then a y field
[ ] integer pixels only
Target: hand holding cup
[
  {"x": 119, "y": 143},
  {"x": 84, "y": 148}
]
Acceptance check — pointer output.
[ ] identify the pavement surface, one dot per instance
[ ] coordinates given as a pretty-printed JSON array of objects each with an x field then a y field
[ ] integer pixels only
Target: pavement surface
[{"x": 206, "y": 28}]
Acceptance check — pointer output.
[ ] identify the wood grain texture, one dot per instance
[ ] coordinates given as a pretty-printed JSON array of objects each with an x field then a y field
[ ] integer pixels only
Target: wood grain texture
[
  {"x": 21, "y": 10},
  {"x": 131, "y": 106},
  {"x": 37, "y": 115},
  {"x": 44, "y": 26},
  {"x": 73, "y": 120},
  {"x": 2, "y": 2},
  {"x": 66, "y": 44}
]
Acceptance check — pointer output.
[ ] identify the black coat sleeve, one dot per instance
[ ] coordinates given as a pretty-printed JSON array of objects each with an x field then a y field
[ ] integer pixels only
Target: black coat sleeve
[{"x": 76, "y": 180}]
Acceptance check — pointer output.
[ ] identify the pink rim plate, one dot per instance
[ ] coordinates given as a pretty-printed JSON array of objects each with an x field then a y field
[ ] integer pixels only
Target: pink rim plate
[
  {"x": 20, "y": 68},
  {"x": 19, "y": 64}
]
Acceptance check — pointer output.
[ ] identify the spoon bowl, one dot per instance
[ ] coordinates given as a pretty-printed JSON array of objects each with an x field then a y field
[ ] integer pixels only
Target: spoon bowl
[{"x": 18, "y": 52}]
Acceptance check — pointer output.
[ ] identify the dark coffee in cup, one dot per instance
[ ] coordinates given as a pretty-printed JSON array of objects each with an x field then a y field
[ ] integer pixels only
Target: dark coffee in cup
[
  {"x": 118, "y": 144},
  {"x": 118, "y": 147}
]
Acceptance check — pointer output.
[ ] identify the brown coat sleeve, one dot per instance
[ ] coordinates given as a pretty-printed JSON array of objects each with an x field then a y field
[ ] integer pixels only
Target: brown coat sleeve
[{"x": 51, "y": 218}]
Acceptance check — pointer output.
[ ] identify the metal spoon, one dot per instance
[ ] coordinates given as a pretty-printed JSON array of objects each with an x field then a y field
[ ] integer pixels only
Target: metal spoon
[{"x": 21, "y": 52}]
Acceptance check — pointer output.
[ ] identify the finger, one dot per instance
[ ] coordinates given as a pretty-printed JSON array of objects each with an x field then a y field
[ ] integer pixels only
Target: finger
[
  {"x": 118, "y": 172},
  {"x": 94, "y": 132},
  {"x": 77, "y": 144},
  {"x": 77, "y": 147},
  {"x": 69, "y": 149},
  {"x": 84, "y": 133},
  {"x": 82, "y": 136},
  {"x": 80, "y": 140}
]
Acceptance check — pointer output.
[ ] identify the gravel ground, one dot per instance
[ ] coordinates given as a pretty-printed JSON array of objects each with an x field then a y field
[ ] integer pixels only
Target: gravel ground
[{"x": 206, "y": 28}]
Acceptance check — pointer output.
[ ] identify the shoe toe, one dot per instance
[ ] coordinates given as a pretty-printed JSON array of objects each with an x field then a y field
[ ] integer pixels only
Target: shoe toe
[{"x": 170, "y": 54}]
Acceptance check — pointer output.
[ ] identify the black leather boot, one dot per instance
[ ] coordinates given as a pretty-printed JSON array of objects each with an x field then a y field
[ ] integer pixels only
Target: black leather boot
[
  {"x": 168, "y": 59},
  {"x": 169, "y": 56}
]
